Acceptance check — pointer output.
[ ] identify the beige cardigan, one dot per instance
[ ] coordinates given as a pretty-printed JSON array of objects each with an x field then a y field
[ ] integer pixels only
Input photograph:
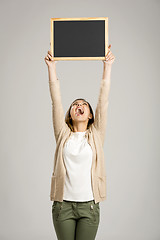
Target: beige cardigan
[{"x": 95, "y": 137}]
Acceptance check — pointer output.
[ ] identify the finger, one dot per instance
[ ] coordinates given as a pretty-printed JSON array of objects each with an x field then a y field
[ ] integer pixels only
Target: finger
[
  {"x": 109, "y": 53},
  {"x": 50, "y": 53},
  {"x": 46, "y": 60},
  {"x": 112, "y": 58},
  {"x": 109, "y": 56},
  {"x": 109, "y": 59},
  {"x": 49, "y": 56},
  {"x": 109, "y": 48}
]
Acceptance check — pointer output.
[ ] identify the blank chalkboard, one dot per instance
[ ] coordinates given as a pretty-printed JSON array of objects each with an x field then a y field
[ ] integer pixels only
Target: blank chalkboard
[{"x": 79, "y": 38}]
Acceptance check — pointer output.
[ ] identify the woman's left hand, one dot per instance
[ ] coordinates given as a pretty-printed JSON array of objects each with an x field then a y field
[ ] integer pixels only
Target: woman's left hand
[{"x": 109, "y": 58}]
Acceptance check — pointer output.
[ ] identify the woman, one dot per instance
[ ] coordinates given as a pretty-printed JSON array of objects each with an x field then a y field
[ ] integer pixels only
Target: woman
[{"x": 78, "y": 181}]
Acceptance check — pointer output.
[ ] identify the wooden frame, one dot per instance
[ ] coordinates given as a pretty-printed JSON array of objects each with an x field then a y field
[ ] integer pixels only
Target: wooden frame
[{"x": 74, "y": 19}]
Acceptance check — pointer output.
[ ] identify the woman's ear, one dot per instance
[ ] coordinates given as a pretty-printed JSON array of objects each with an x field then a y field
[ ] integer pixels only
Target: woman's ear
[{"x": 90, "y": 116}]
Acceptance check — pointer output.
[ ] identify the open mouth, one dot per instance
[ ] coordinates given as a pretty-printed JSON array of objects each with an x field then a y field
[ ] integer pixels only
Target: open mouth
[{"x": 79, "y": 112}]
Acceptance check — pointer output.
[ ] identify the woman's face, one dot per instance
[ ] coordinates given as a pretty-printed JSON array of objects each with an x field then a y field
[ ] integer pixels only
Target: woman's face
[{"x": 80, "y": 111}]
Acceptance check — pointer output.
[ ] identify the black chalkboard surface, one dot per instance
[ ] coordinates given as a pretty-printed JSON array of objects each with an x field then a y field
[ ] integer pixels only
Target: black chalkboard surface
[{"x": 79, "y": 38}]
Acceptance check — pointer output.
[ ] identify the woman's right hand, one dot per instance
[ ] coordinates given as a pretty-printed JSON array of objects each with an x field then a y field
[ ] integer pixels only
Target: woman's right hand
[{"x": 49, "y": 61}]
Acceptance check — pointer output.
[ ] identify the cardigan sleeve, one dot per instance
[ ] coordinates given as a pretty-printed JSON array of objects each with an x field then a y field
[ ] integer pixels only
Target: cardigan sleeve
[
  {"x": 100, "y": 120},
  {"x": 57, "y": 108}
]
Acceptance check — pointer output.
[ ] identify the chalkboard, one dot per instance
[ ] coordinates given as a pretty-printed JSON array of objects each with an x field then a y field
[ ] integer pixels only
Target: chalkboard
[{"x": 79, "y": 38}]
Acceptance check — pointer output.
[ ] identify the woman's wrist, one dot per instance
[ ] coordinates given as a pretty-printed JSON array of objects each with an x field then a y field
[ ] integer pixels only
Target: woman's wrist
[
  {"x": 107, "y": 65},
  {"x": 107, "y": 70},
  {"x": 52, "y": 73},
  {"x": 52, "y": 68}
]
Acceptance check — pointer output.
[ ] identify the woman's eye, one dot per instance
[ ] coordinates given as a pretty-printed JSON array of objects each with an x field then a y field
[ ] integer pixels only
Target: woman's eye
[{"x": 77, "y": 104}]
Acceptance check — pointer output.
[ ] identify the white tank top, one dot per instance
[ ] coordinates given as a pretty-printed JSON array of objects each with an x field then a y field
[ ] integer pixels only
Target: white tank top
[{"x": 77, "y": 155}]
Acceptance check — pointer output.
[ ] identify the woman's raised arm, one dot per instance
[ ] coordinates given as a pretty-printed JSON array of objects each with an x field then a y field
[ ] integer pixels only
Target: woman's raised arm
[
  {"x": 100, "y": 121},
  {"x": 54, "y": 86}
]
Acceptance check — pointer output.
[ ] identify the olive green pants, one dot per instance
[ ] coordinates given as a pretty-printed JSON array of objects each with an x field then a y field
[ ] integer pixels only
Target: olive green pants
[{"x": 75, "y": 220}]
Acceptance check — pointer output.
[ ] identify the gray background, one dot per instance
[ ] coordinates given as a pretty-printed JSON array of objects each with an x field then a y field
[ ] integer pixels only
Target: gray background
[{"x": 131, "y": 210}]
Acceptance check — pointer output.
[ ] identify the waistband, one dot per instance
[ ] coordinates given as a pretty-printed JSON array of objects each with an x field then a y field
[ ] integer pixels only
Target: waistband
[{"x": 78, "y": 201}]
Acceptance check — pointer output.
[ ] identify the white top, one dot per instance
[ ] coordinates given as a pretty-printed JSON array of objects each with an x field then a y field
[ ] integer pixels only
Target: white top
[{"x": 77, "y": 155}]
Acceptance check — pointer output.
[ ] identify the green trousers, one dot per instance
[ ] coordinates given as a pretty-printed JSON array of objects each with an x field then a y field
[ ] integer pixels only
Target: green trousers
[{"x": 76, "y": 220}]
